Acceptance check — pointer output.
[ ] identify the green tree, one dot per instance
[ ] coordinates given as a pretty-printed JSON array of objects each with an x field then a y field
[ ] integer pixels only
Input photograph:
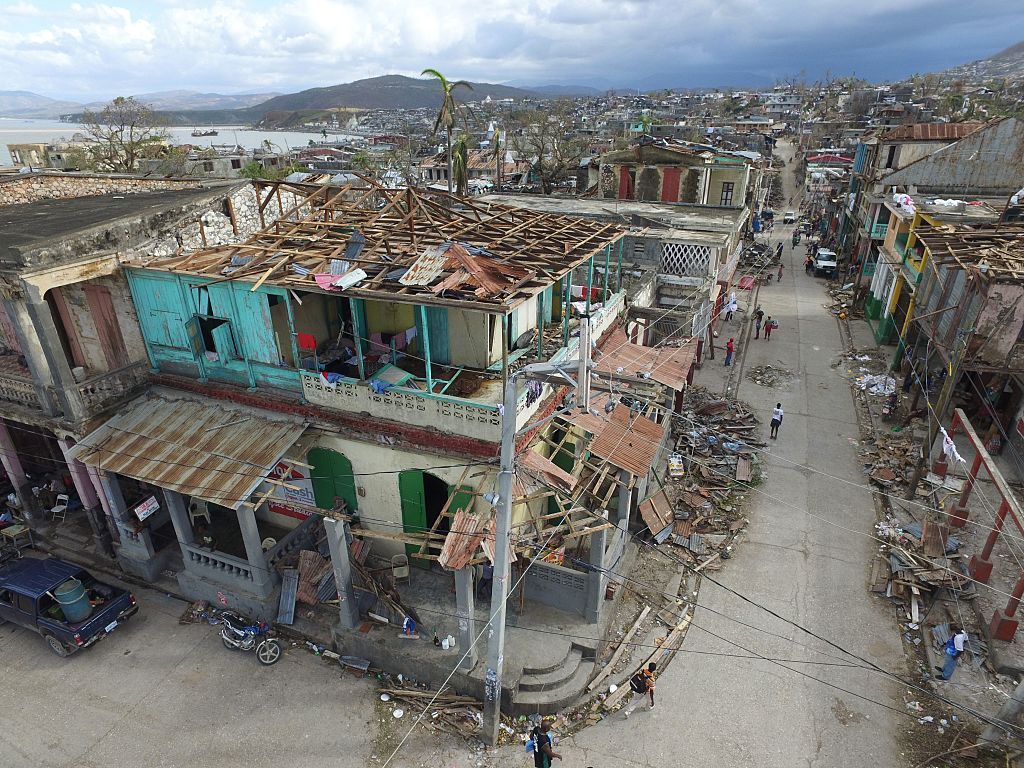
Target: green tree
[
  {"x": 122, "y": 133},
  {"x": 447, "y": 113}
]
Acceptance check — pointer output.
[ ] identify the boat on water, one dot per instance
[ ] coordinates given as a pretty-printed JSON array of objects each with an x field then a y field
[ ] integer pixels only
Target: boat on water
[{"x": 209, "y": 132}]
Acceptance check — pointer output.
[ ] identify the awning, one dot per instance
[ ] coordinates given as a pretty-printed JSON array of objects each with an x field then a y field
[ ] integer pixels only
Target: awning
[{"x": 199, "y": 448}]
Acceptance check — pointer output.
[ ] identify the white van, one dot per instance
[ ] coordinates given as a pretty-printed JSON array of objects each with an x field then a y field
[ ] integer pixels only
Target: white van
[{"x": 825, "y": 263}]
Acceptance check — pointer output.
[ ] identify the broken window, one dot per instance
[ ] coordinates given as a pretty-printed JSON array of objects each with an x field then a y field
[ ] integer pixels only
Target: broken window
[
  {"x": 208, "y": 166},
  {"x": 212, "y": 338},
  {"x": 236, "y": 164}
]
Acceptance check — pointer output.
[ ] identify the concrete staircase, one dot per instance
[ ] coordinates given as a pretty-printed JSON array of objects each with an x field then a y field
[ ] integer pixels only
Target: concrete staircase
[{"x": 548, "y": 689}]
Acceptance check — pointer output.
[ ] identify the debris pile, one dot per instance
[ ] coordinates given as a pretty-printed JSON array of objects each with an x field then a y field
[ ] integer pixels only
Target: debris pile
[
  {"x": 713, "y": 462},
  {"x": 459, "y": 715},
  {"x": 917, "y": 560},
  {"x": 889, "y": 459},
  {"x": 769, "y": 375},
  {"x": 876, "y": 383},
  {"x": 841, "y": 304}
]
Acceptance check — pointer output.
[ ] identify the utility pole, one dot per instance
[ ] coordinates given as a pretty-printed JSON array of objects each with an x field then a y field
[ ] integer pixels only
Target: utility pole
[
  {"x": 503, "y": 514},
  {"x": 945, "y": 395}
]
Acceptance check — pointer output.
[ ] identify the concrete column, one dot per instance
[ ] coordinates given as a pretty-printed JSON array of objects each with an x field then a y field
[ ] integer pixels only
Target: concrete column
[
  {"x": 253, "y": 545},
  {"x": 94, "y": 477},
  {"x": 337, "y": 543},
  {"x": 16, "y": 473},
  {"x": 35, "y": 357},
  {"x": 596, "y": 579},
  {"x": 87, "y": 495},
  {"x": 175, "y": 503},
  {"x": 68, "y": 396},
  {"x": 625, "y": 500},
  {"x": 464, "y": 608}
]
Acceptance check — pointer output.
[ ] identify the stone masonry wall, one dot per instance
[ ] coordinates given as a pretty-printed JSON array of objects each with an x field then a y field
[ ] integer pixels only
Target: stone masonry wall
[
  {"x": 29, "y": 188},
  {"x": 216, "y": 227}
]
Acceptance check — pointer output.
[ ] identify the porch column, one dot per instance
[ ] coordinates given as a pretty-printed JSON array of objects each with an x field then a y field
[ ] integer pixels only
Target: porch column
[
  {"x": 253, "y": 545},
  {"x": 35, "y": 358},
  {"x": 135, "y": 548},
  {"x": 16, "y": 473},
  {"x": 625, "y": 500},
  {"x": 337, "y": 543},
  {"x": 68, "y": 395},
  {"x": 596, "y": 579},
  {"x": 87, "y": 495},
  {"x": 94, "y": 478},
  {"x": 179, "y": 517},
  {"x": 464, "y": 608},
  {"x": 426, "y": 348}
]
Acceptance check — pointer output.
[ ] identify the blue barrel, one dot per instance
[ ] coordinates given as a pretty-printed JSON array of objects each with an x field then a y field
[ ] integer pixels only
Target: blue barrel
[{"x": 73, "y": 601}]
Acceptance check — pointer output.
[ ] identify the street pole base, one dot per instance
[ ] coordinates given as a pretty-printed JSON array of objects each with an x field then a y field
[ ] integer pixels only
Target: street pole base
[
  {"x": 958, "y": 516},
  {"x": 1003, "y": 627},
  {"x": 980, "y": 569},
  {"x": 941, "y": 466}
]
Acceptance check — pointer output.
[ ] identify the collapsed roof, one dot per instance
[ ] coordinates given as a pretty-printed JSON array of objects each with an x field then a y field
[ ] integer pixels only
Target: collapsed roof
[{"x": 364, "y": 240}]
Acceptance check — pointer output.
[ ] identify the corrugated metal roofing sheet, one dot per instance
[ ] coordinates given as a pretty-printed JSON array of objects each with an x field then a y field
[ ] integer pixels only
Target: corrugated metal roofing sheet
[
  {"x": 665, "y": 365},
  {"x": 466, "y": 534},
  {"x": 931, "y": 131},
  {"x": 630, "y": 443},
  {"x": 198, "y": 448}
]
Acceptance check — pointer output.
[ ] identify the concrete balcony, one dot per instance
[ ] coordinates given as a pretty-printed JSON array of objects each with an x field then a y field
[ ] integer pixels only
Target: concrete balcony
[
  {"x": 17, "y": 389},
  {"x": 222, "y": 568},
  {"x": 105, "y": 389}
]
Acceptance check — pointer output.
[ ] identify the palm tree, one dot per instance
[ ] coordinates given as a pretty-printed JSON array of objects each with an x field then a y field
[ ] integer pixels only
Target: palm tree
[
  {"x": 459, "y": 163},
  {"x": 446, "y": 114},
  {"x": 497, "y": 159}
]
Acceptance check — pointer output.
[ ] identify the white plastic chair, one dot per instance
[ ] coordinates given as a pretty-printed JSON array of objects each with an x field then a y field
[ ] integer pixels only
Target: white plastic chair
[
  {"x": 198, "y": 509},
  {"x": 400, "y": 569},
  {"x": 60, "y": 509}
]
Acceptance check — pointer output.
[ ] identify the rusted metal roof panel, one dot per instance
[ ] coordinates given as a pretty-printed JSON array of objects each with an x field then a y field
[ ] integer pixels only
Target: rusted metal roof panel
[
  {"x": 196, "y": 447},
  {"x": 666, "y": 365},
  {"x": 467, "y": 532},
  {"x": 629, "y": 442},
  {"x": 552, "y": 474},
  {"x": 656, "y": 511},
  {"x": 931, "y": 131}
]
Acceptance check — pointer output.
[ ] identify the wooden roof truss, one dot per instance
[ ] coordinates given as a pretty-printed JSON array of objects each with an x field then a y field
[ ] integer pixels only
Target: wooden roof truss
[{"x": 531, "y": 250}]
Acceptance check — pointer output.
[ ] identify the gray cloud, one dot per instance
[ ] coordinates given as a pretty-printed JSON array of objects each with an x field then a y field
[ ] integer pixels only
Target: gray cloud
[{"x": 92, "y": 50}]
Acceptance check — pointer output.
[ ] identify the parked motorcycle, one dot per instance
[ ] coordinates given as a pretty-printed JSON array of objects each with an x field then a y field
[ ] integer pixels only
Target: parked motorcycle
[{"x": 237, "y": 635}]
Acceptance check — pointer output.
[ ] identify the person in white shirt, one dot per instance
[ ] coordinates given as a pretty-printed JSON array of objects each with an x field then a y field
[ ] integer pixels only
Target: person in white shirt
[
  {"x": 776, "y": 420},
  {"x": 953, "y": 650}
]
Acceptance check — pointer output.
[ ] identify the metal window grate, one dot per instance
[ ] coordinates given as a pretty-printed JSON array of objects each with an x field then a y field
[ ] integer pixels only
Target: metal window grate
[{"x": 684, "y": 260}]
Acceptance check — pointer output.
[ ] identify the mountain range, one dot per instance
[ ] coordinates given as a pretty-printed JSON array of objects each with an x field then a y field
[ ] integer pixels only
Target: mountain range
[
  {"x": 1008, "y": 63},
  {"x": 26, "y": 104}
]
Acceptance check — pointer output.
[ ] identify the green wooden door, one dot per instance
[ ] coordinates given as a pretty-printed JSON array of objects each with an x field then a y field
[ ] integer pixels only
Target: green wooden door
[
  {"x": 563, "y": 459},
  {"x": 332, "y": 476},
  {"x": 414, "y": 510}
]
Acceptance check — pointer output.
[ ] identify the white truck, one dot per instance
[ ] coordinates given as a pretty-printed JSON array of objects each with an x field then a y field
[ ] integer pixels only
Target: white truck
[{"x": 825, "y": 263}]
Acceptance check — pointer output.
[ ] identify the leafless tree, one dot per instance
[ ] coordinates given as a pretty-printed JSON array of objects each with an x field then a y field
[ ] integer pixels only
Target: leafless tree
[
  {"x": 122, "y": 133},
  {"x": 548, "y": 139}
]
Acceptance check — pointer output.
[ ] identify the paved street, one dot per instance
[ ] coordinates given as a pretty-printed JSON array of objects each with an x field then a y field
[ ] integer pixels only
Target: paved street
[
  {"x": 721, "y": 711},
  {"x": 156, "y": 693}
]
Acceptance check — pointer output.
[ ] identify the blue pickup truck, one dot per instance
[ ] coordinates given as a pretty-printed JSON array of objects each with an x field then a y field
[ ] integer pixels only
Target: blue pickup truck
[{"x": 28, "y": 598}]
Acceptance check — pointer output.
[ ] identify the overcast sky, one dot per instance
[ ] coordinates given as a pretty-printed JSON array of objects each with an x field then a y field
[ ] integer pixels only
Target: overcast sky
[{"x": 96, "y": 51}]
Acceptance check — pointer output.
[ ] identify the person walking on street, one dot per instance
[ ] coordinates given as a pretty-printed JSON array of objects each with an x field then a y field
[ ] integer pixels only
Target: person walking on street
[
  {"x": 730, "y": 347},
  {"x": 778, "y": 251},
  {"x": 777, "y": 415},
  {"x": 641, "y": 684},
  {"x": 543, "y": 754},
  {"x": 953, "y": 650},
  {"x": 780, "y": 273},
  {"x": 758, "y": 319},
  {"x": 768, "y": 325}
]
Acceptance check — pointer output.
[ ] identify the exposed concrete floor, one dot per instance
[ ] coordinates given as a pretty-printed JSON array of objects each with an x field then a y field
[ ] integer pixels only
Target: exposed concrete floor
[{"x": 720, "y": 710}]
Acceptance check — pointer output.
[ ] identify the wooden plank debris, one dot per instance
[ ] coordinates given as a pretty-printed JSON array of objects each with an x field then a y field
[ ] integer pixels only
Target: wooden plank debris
[{"x": 609, "y": 667}]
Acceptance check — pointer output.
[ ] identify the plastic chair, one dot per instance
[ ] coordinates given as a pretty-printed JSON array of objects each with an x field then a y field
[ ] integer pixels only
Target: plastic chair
[
  {"x": 400, "y": 569},
  {"x": 197, "y": 509},
  {"x": 60, "y": 509}
]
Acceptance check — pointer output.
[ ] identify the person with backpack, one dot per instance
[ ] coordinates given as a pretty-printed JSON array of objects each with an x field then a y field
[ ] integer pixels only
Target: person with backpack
[
  {"x": 543, "y": 754},
  {"x": 953, "y": 650},
  {"x": 641, "y": 684}
]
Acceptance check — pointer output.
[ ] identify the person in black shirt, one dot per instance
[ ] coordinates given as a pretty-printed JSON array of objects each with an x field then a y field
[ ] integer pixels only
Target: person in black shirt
[{"x": 543, "y": 754}]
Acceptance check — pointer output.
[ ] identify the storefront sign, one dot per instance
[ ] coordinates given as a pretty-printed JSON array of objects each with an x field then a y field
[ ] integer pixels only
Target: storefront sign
[
  {"x": 301, "y": 492},
  {"x": 147, "y": 508}
]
